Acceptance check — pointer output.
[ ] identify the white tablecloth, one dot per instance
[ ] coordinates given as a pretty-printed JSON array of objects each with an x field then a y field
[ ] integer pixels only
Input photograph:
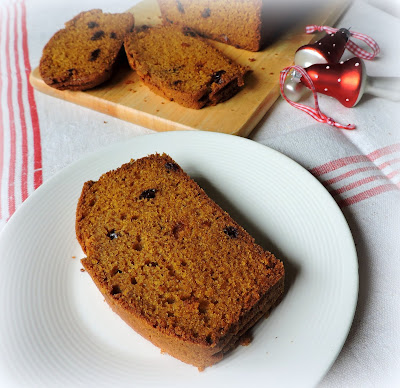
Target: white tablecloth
[{"x": 40, "y": 135}]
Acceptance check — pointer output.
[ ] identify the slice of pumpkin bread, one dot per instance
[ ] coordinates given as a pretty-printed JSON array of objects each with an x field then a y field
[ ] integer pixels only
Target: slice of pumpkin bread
[
  {"x": 183, "y": 67},
  {"x": 175, "y": 266},
  {"x": 82, "y": 55}
]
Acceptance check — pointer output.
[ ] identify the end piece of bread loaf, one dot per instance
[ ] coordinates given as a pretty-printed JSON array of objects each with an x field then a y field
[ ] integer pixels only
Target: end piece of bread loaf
[
  {"x": 183, "y": 67},
  {"x": 175, "y": 266},
  {"x": 235, "y": 22},
  {"x": 82, "y": 55}
]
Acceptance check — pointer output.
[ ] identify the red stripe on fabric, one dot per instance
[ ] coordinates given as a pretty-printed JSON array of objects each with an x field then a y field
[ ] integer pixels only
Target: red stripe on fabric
[
  {"x": 24, "y": 139},
  {"x": 389, "y": 163},
  {"x": 11, "y": 178},
  {"x": 349, "y": 174},
  {"x": 335, "y": 164},
  {"x": 355, "y": 184},
  {"x": 384, "y": 151},
  {"x": 37, "y": 146},
  {"x": 366, "y": 194},
  {"x": 1, "y": 129},
  {"x": 393, "y": 174}
]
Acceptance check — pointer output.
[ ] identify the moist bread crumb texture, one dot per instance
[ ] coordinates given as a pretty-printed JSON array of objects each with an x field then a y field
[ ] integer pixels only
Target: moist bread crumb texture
[
  {"x": 82, "y": 55},
  {"x": 235, "y": 22},
  {"x": 176, "y": 267},
  {"x": 183, "y": 67}
]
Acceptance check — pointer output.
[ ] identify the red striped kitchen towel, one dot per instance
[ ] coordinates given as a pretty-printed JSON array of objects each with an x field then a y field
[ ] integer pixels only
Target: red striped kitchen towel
[
  {"x": 355, "y": 178},
  {"x": 20, "y": 144}
]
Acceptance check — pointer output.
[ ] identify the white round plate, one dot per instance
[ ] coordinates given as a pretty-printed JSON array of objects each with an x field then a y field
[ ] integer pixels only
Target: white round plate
[{"x": 57, "y": 331}]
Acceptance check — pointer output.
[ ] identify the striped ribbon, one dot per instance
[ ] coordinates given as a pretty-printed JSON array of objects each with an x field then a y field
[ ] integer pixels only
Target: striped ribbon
[
  {"x": 315, "y": 113},
  {"x": 20, "y": 143},
  {"x": 351, "y": 46}
]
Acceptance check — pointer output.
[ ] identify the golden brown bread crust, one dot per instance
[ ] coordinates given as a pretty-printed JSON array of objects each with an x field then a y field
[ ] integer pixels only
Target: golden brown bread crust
[
  {"x": 171, "y": 262},
  {"x": 83, "y": 54},
  {"x": 183, "y": 67}
]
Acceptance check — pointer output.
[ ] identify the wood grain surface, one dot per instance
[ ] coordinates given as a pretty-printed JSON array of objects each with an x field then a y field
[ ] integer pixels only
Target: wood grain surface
[{"x": 125, "y": 97}]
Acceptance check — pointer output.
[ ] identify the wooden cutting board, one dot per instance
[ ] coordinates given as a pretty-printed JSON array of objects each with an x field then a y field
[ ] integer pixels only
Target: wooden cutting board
[{"x": 125, "y": 97}]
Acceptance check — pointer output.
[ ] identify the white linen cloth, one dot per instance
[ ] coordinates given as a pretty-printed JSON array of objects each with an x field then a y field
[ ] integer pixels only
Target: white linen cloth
[{"x": 40, "y": 135}]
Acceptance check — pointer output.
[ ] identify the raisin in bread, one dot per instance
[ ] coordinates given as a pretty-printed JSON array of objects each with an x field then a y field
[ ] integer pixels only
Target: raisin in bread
[
  {"x": 182, "y": 67},
  {"x": 82, "y": 55},
  {"x": 176, "y": 267}
]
